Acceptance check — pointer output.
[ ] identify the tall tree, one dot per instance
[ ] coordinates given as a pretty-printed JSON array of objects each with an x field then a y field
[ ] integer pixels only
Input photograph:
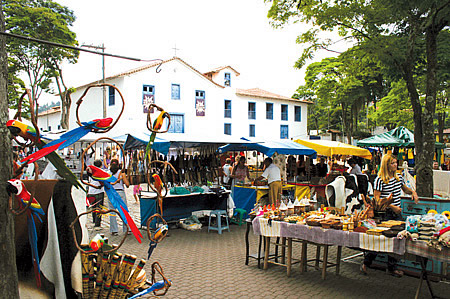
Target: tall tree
[
  {"x": 393, "y": 29},
  {"x": 45, "y": 20},
  {"x": 8, "y": 271}
]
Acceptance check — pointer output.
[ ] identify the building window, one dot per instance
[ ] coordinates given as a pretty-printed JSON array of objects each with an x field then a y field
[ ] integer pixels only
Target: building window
[
  {"x": 199, "y": 94},
  {"x": 284, "y": 112},
  {"x": 269, "y": 111},
  {"x": 227, "y": 129},
  {"x": 251, "y": 132},
  {"x": 200, "y": 103},
  {"x": 284, "y": 132},
  {"x": 251, "y": 110},
  {"x": 298, "y": 113},
  {"x": 175, "y": 91},
  {"x": 148, "y": 97},
  {"x": 49, "y": 128},
  {"x": 112, "y": 96},
  {"x": 176, "y": 123},
  {"x": 227, "y": 79},
  {"x": 59, "y": 127},
  {"x": 227, "y": 111}
]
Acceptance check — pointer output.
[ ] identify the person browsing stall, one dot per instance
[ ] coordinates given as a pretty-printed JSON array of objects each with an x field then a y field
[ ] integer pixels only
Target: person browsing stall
[
  {"x": 119, "y": 186},
  {"x": 240, "y": 171},
  {"x": 226, "y": 173},
  {"x": 95, "y": 197},
  {"x": 389, "y": 182},
  {"x": 356, "y": 169},
  {"x": 273, "y": 176}
]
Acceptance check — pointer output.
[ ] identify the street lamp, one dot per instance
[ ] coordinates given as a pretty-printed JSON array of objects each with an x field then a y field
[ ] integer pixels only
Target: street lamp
[{"x": 102, "y": 47}]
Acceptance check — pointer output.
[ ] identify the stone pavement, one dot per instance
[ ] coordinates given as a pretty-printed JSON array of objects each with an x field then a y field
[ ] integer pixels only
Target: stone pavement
[{"x": 209, "y": 265}]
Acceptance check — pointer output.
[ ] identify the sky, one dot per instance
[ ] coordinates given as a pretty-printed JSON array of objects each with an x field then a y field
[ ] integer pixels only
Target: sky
[{"x": 207, "y": 34}]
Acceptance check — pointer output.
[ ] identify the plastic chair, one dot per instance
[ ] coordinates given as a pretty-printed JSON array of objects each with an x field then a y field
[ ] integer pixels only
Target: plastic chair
[
  {"x": 239, "y": 216},
  {"x": 218, "y": 214}
]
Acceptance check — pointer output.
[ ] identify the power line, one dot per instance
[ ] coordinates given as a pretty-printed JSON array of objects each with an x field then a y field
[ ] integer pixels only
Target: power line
[{"x": 73, "y": 47}]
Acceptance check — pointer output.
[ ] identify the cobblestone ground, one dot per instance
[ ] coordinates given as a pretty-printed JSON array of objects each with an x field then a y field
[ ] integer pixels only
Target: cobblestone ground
[{"x": 209, "y": 265}]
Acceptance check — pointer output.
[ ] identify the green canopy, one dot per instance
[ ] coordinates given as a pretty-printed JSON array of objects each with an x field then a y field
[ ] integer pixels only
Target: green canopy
[{"x": 398, "y": 137}]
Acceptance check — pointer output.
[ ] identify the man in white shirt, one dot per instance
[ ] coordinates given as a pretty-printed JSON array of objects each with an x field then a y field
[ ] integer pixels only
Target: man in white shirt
[
  {"x": 273, "y": 176},
  {"x": 226, "y": 173},
  {"x": 355, "y": 167}
]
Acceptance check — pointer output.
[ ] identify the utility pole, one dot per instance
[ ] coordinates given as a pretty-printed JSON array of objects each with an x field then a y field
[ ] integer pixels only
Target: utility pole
[{"x": 102, "y": 47}]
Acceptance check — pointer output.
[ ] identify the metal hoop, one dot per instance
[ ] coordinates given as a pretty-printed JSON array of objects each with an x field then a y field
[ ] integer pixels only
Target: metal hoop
[
  {"x": 156, "y": 268},
  {"x": 83, "y": 165},
  {"x": 72, "y": 226},
  {"x": 149, "y": 221},
  {"x": 19, "y": 211},
  {"x": 166, "y": 163},
  {"x": 18, "y": 116},
  {"x": 80, "y": 100},
  {"x": 149, "y": 119}
]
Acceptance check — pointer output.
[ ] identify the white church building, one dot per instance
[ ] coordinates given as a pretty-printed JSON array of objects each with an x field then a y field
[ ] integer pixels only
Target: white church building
[{"x": 204, "y": 107}]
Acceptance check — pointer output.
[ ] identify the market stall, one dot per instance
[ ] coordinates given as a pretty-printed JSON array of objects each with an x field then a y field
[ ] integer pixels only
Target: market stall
[
  {"x": 399, "y": 137},
  {"x": 179, "y": 206},
  {"x": 330, "y": 148},
  {"x": 245, "y": 196},
  {"x": 139, "y": 140}
]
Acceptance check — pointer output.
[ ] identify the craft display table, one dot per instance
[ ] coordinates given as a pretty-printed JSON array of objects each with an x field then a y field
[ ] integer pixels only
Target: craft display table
[
  {"x": 322, "y": 238},
  {"x": 423, "y": 253}
]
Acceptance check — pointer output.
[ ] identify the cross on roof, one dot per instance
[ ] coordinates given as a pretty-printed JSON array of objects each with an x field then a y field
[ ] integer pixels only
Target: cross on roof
[{"x": 175, "y": 50}]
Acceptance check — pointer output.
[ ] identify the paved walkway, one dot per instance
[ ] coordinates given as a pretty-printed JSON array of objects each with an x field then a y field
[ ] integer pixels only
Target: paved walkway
[{"x": 209, "y": 265}]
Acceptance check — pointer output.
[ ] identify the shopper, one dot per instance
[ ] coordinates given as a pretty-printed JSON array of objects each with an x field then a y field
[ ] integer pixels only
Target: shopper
[
  {"x": 386, "y": 183},
  {"x": 227, "y": 173},
  {"x": 356, "y": 169},
  {"x": 119, "y": 185},
  {"x": 95, "y": 197},
  {"x": 322, "y": 167},
  {"x": 240, "y": 171},
  {"x": 273, "y": 175}
]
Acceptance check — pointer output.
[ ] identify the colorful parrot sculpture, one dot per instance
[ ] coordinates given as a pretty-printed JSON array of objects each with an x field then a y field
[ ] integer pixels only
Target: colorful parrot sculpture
[
  {"x": 107, "y": 180},
  {"x": 18, "y": 128},
  {"x": 158, "y": 183},
  {"x": 17, "y": 187},
  {"x": 158, "y": 235},
  {"x": 159, "y": 285},
  {"x": 69, "y": 138},
  {"x": 157, "y": 124}
]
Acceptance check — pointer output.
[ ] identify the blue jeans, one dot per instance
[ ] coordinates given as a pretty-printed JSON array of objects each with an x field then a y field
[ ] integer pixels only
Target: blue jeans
[{"x": 113, "y": 227}]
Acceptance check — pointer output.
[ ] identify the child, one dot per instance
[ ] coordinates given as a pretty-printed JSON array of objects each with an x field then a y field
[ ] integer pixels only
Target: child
[{"x": 136, "y": 191}]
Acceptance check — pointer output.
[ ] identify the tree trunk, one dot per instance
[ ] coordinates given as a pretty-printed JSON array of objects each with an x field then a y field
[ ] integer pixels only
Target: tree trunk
[
  {"x": 441, "y": 125},
  {"x": 425, "y": 171},
  {"x": 65, "y": 110},
  {"x": 8, "y": 270}
]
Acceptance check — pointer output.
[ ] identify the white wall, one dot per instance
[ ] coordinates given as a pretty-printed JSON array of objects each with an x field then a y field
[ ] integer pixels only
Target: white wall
[
  {"x": 52, "y": 120},
  {"x": 206, "y": 128}
]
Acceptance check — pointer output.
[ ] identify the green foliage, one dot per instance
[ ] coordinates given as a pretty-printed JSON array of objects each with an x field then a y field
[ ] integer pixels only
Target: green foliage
[
  {"x": 40, "y": 19},
  {"x": 47, "y": 106},
  {"x": 395, "y": 109}
]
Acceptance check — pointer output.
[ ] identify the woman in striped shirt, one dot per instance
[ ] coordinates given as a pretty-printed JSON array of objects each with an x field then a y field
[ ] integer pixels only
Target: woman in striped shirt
[{"x": 386, "y": 183}]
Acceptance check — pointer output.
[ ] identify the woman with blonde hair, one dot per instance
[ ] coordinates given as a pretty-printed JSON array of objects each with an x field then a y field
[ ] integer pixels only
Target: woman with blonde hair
[{"x": 389, "y": 183}]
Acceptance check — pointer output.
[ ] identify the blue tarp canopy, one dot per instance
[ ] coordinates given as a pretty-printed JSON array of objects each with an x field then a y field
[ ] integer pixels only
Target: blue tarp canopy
[
  {"x": 141, "y": 139},
  {"x": 268, "y": 148}
]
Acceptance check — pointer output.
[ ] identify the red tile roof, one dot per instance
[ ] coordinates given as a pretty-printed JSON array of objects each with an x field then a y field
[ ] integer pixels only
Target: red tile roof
[
  {"x": 146, "y": 67},
  {"x": 259, "y": 93},
  {"x": 52, "y": 110},
  {"x": 216, "y": 70}
]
